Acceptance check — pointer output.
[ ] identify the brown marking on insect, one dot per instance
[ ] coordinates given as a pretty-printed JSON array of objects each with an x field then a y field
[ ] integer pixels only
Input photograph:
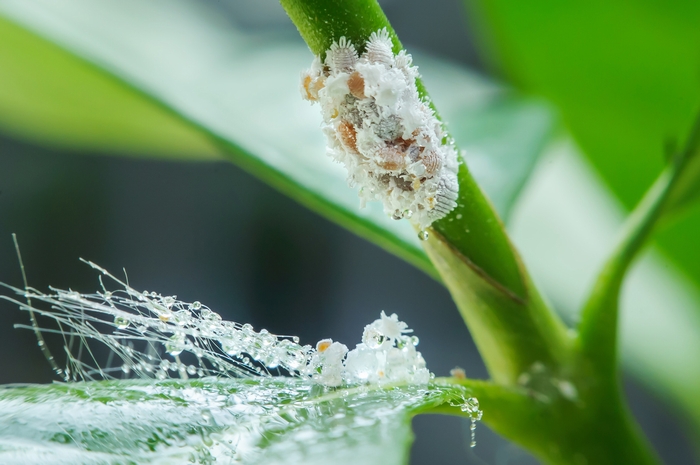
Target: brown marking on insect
[
  {"x": 432, "y": 162},
  {"x": 403, "y": 143},
  {"x": 348, "y": 135},
  {"x": 312, "y": 85},
  {"x": 403, "y": 184},
  {"x": 323, "y": 345},
  {"x": 356, "y": 84},
  {"x": 391, "y": 158},
  {"x": 306, "y": 84},
  {"x": 317, "y": 85}
]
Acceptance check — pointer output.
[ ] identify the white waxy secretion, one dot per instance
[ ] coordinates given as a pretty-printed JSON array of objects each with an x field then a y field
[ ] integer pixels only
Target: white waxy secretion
[
  {"x": 386, "y": 135},
  {"x": 194, "y": 340}
]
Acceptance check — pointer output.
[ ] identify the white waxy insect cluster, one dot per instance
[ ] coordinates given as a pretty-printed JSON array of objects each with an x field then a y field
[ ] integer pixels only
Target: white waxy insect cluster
[
  {"x": 180, "y": 340},
  {"x": 377, "y": 125},
  {"x": 385, "y": 355}
]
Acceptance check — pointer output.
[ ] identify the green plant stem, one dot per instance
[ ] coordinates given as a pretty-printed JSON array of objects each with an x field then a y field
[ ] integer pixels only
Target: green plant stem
[
  {"x": 469, "y": 247},
  {"x": 512, "y": 334},
  {"x": 559, "y": 431},
  {"x": 512, "y": 326},
  {"x": 598, "y": 328},
  {"x": 484, "y": 242}
]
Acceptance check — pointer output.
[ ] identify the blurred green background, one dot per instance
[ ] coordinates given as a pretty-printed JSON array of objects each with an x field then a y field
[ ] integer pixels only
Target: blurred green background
[{"x": 107, "y": 110}]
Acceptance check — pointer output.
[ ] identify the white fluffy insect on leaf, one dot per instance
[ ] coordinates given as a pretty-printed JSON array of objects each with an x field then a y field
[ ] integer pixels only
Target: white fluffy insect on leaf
[{"x": 377, "y": 125}]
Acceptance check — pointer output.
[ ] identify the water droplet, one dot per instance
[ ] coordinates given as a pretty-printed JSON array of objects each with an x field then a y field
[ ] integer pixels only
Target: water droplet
[
  {"x": 415, "y": 340},
  {"x": 183, "y": 317},
  {"x": 397, "y": 215},
  {"x": 191, "y": 370},
  {"x": 108, "y": 295},
  {"x": 41, "y": 343},
  {"x": 230, "y": 347},
  {"x": 121, "y": 322},
  {"x": 423, "y": 235},
  {"x": 196, "y": 305},
  {"x": 295, "y": 339},
  {"x": 407, "y": 213},
  {"x": 472, "y": 427},
  {"x": 126, "y": 368},
  {"x": 459, "y": 216},
  {"x": 176, "y": 344}
]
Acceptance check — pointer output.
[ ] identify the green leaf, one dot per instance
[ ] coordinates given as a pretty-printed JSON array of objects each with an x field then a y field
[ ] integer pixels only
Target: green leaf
[
  {"x": 49, "y": 96},
  {"x": 240, "y": 93},
  {"x": 250, "y": 421},
  {"x": 624, "y": 76}
]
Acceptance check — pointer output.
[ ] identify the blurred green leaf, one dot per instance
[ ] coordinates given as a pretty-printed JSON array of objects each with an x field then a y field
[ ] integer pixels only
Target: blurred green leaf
[
  {"x": 49, "y": 96},
  {"x": 250, "y": 421},
  {"x": 626, "y": 79},
  {"x": 238, "y": 91},
  {"x": 207, "y": 81}
]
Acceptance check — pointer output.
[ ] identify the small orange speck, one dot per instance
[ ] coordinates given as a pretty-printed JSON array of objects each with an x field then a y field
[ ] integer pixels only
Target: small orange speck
[
  {"x": 307, "y": 84},
  {"x": 322, "y": 346},
  {"x": 458, "y": 373}
]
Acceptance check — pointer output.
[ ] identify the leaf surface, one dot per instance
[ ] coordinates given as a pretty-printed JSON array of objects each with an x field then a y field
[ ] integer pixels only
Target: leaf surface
[{"x": 250, "y": 421}]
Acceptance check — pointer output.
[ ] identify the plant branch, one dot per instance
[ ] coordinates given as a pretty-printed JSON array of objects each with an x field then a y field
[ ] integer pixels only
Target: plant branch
[
  {"x": 469, "y": 247},
  {"x": 598, "y": 328},
  {"x": 484, "y": 242},
  {"x": 511, "y": 333}
]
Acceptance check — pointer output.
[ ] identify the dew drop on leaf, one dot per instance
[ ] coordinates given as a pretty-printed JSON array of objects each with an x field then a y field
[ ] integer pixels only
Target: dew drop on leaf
[{"x": 121, "y": 322}]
